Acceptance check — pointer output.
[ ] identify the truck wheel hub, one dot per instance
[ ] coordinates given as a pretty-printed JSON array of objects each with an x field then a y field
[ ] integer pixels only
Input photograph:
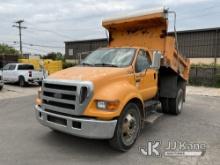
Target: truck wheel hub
[{"x": 129, "y": 129}]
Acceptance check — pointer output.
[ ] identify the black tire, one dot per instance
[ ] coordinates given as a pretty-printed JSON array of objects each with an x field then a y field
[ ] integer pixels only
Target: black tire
[
  {"x": 176, "y": 104},
  {"x": 1, "y": 88},
  {"x": 130, "y": 119},
  {"x": 40, "y": 83},
  {"x": 21, "y": 81},
  {"x": 164, "y": 105}
]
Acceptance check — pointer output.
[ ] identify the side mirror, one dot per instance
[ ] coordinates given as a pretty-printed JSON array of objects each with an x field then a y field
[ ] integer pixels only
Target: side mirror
[{"x": 156, "y": 60}]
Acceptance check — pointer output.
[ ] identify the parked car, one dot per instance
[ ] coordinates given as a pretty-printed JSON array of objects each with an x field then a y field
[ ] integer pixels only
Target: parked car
[
  {"x": 21, "y": 73},
  {"x": 1, "y": 81}
]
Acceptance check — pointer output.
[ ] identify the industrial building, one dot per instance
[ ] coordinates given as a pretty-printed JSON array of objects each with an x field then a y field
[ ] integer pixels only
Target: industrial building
[{"x": 200, "y": 45}]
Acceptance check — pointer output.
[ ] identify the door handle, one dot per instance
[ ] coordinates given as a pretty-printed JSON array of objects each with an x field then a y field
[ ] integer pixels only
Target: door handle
[
  {"x": 155, "y": 76},
  {"x": 138, "y": 80}
]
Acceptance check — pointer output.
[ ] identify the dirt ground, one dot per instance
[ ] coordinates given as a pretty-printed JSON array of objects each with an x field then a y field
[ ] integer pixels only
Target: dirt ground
[
  {"x": 203, "y": 91},
  {"x": 14, "y": 91}
]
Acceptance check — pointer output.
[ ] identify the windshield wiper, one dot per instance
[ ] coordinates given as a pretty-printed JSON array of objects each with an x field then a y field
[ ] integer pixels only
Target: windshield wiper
[
  {"x": 88, "y": 64},
  {"x": 106, "y": 64}
]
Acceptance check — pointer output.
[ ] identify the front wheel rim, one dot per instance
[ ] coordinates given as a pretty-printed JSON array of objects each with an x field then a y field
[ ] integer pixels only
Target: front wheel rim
[{"x": 130, "y": 128}]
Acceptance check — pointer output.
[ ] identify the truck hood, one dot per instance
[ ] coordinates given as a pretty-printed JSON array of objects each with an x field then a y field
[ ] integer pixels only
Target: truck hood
[{"x": 89, "y": 73}]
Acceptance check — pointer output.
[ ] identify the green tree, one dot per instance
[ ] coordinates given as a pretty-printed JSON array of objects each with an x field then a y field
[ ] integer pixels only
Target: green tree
[
  {"x": 54, "y": 56},
  {"x": 8, "y": 50}
]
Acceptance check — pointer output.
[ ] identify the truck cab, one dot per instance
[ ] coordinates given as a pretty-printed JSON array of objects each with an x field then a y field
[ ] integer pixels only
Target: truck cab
[{"x": 110, "y": 94}]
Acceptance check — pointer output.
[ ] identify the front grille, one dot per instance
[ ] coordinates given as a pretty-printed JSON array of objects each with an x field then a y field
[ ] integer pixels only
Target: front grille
[
  {"x": 63, "y": 87},
  {"x": 58, "y": 104},
  {"x": 63, "y": 96}
]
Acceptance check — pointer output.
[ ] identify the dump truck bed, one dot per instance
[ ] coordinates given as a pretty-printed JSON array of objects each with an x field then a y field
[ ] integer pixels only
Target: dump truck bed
[{"x": 148, "y": 30}]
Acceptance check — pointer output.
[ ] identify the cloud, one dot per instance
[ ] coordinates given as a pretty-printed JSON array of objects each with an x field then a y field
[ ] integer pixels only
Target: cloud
[
  {"x": 182, "y": 2},
  {"x": 51, "y": 22}
]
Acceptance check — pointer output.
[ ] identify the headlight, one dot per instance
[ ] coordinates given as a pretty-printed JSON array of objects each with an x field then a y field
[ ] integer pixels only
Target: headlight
[
  {"x": 101, "y": 104},
  {"x": 107, "y": 105}
]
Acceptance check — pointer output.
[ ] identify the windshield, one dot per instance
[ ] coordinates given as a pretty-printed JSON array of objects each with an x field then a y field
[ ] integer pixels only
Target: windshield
[{"x": 110, "y": 57}]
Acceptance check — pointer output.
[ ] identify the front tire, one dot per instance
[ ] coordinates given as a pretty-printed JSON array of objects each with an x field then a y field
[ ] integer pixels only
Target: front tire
[
  {"x": 1, "y": 88},
  {"x": 127, "y": 129}
]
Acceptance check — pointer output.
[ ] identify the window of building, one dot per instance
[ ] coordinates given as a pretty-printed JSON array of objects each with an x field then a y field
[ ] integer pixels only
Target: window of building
[{"x": 70, "y": 52}]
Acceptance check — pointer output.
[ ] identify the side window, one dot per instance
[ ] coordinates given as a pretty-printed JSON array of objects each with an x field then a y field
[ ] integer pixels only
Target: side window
[
  {"x": 25, "y": 67},
  {"x": 143, "y": 61},
  {"x": 11, "y": 67},
  {"x": 6, "y": 67}
]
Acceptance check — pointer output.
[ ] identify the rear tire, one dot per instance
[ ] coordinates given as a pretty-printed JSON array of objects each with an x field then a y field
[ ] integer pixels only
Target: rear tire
[
  {"x": 176, "y": 104},
  {"x": 22, "y": 82},
  {"x": 1, "y": 88},
  {"x": 40, "y": 83},
  {"x": 173, "y": 105},
  {"x": 127, "y": 129},
  {"x": 165, "y": 105}
]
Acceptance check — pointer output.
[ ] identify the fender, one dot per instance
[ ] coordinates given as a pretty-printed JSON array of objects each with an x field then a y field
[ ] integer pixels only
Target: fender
[{"x": 120, "y": 90}]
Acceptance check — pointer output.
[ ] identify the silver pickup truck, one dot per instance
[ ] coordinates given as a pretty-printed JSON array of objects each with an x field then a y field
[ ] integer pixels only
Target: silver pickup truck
[{"x": 21, "y": 73}]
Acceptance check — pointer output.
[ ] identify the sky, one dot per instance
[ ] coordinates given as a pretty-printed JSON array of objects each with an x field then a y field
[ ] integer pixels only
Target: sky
[{"x": 50, "y": 23}]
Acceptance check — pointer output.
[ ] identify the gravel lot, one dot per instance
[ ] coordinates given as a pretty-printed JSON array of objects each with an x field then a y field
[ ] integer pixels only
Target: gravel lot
[{"x": 24, "y": 141}]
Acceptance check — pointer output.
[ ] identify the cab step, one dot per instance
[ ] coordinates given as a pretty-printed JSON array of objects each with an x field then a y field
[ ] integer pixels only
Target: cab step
[
  {"x": 151, "y": 103},
  {"x": 152, "y": 117}
]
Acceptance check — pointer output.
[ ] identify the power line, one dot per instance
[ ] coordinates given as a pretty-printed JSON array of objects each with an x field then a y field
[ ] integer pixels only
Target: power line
[
  {"x": 44, "y": 46},
  {"x": 95, "y": 28},
  {"x": 32, "y": 34},
  {"x": 50, "y": 31},
  {"x": 36, "y": 49},
  {"x": 19, "y": 22},
  {"x": 31, "y": 48}
]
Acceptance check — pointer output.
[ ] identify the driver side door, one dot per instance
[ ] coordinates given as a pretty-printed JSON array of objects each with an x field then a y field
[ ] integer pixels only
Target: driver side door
[{"x": 145, "y": 77}]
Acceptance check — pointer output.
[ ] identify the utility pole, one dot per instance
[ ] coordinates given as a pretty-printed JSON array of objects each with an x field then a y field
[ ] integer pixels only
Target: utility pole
[{"x": 19, "y": 22}]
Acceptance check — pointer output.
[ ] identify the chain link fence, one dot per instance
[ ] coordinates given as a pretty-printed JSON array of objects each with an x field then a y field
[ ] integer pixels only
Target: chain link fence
[{"x": 205, "y": 76}]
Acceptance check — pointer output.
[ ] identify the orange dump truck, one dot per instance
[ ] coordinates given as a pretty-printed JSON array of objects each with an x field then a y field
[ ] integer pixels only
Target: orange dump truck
[{"x": 115, "y": 89}]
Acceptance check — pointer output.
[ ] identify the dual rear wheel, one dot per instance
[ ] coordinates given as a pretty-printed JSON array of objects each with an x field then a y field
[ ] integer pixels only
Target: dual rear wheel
[{"x": 173, "y": 105}]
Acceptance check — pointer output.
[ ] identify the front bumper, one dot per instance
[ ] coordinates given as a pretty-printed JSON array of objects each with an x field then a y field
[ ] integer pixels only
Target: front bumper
[{"x": 83, "y": 127}]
